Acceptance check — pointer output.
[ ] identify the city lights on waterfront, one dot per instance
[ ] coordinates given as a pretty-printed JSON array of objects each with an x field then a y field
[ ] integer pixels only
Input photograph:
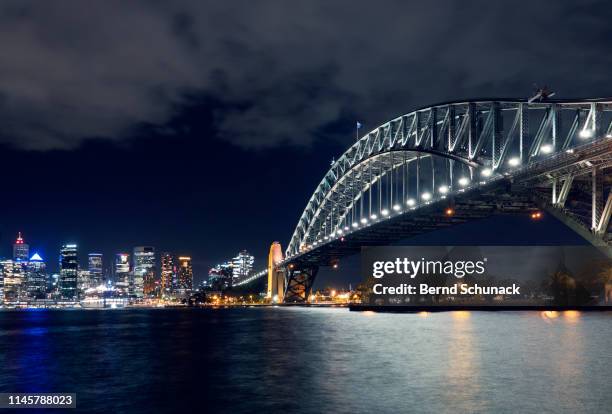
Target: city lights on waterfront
[{"x": 126, "y": 280}]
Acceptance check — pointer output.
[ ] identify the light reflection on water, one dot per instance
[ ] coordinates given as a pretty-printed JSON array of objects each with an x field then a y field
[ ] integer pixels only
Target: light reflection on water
[{"x": 312, "y": 360}]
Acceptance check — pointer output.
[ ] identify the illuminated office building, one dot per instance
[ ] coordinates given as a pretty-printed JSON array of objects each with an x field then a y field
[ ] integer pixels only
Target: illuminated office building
[
  {"x": 144, "y": 271},
  {"x": 167, "y": 273},
  {"x": 21, "y": 250},
  {"x": 36, "y": 275},
  {"x": 220, "y": 276},
  {"x": 85, "y": 281},
  {"x": 94, "y": 265},
  {"x": 185, "y": 275},
  {"x": 122, "y": 276},
  {"x": 69, "y": 268},
  {"x": 242, "y": 265},
  {"x": 13, "y": 280}
]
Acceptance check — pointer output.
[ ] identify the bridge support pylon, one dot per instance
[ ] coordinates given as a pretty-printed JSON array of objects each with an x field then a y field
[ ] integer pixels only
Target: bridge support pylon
[
  {"x": 299, "y": 283},
  {"x": 276, "y": 274}
]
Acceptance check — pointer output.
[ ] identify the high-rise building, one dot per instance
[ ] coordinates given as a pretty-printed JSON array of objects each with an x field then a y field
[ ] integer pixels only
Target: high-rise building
[
  {"x": 21, "y": 250},
  {"x": 220, "y": 276},
  {"x": 144, "y": 271},
  {"x": 122, "y": 277},
  {"x": 11, "y": 282},
  {"x": 85, "y": 281},
  {"x": 36, "y": 274},
  {"x": 69, "y": 267},
  {"x": 185, "y": 275},
  {"x": 167, "y": 273},
  {"x": 242, "y": 265},
  {"x": 94, "y": 265}
]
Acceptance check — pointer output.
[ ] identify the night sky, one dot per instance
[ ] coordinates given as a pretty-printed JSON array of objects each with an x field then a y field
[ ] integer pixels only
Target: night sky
[{"x": 202, "y": 128}]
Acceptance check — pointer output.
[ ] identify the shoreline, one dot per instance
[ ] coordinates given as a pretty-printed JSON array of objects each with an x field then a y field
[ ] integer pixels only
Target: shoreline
[{"x": 484, "y": 308}]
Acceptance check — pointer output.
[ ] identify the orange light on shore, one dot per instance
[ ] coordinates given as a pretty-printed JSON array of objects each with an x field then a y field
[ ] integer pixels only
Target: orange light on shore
[
  {"x": 449, "y": 211},
  {"x": 536, "y": 215}
]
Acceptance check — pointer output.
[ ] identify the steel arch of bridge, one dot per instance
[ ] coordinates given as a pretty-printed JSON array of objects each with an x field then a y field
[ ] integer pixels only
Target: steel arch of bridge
[{"x": 454, "y": 145}]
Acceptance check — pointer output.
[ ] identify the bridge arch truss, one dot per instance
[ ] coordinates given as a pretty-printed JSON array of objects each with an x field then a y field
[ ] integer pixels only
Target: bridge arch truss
[{"x": 435, "y": 152}]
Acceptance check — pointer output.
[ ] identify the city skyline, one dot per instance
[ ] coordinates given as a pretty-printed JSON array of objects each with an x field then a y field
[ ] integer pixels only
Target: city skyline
[{"x": 195, "y": 159}]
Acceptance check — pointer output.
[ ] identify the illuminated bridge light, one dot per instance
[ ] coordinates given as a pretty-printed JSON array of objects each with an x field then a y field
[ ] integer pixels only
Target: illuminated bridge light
[
  {"x": 411, "y": 202},
  {"x": 373, "y": 216},
  {"x": 355, "y": 224},
  {"x": 586, "y": 133},
  {"x": 426, "y": 196},
  {"x": 463, "y": 181},
  {"x": 346, "y": 228},
  {"x": 384, "y": 212},
  {"x": 514, "y": 162},
  {"x": 364, "y": 220},
  {"x": 443, "y": 189},
  {"x": 546, "y": 149},
  {"x": 486, "y": 172}
]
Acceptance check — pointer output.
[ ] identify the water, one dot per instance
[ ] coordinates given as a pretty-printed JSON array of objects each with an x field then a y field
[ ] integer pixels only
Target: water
[{"x": 311, "y": 360}]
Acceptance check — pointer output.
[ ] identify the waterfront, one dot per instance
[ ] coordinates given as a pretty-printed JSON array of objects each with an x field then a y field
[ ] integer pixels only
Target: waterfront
[{"x": 310, "y": 360}]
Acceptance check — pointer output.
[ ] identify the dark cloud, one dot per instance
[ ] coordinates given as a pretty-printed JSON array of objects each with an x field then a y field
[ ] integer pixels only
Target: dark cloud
[{"x": 281, "y": 72}]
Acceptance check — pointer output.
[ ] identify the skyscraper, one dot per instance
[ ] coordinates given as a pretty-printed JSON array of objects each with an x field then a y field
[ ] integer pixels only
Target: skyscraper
[
  {"x": 167, "y": 273},
  {"x": 220, "y": 276},
  {"x": 122, "y": 273},
  {"x": 21, "y": 250},
  {"x": 69, "y": 268},
  {"x": 185, "y": 275},
  {"x": 242, "y": 265},
  {"x": 144, "y": 271},
  {"x": 84, "y": 280},
  {"x": 94, "y": 265},
  {"x": 11, "y": 281},
  {"x": 36, "y": 275}
]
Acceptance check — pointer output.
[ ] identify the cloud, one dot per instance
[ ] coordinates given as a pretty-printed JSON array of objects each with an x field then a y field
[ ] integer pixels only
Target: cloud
[{"x": 282, "y": 72}]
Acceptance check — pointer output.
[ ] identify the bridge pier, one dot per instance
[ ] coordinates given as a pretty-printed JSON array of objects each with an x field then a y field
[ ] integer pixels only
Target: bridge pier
[
  {"x": 299, "y": 283},
  {"x": 276, "y": 274}
]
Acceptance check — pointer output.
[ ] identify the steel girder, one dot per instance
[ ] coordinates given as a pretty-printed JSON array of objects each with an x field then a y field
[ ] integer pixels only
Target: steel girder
[{"x": 456, "y": 140}]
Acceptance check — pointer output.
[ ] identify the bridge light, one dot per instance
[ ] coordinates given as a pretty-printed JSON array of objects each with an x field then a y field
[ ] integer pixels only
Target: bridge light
[
  {"x": 364, "y": 220},
  {"x": 346, "y": 228},
  {"x": 546, "y": 149},
  {"x": 355, "y": 224},
  {"x": 411, "y": 202},
  {"x": 384, "y": 212},
  {"x": 608, "y": 135},
  {"x": 326, "y": 237},
  {"x": 464, "y": 181},
  {"x": 396, "y": 207},
  {"x": 426, "y": 196},
  {"x": 449, "y": 211},
  {"x": 585, "y": 133},
  {"x": 570, "y": 151},
  {"x": 339, "y": 231},
  {"x": 373, "y": 216},
  {"x": 514, "y": 162},
  {"x": 486, "y": 172},
  {"x": 443, "y": 189}
]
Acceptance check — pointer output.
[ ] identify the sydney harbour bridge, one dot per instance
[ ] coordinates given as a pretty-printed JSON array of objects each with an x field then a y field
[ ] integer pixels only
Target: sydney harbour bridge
[{"x": 448, "y": 164}]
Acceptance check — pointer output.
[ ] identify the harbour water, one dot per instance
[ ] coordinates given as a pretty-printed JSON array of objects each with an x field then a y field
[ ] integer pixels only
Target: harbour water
[{"x": 310, "y": 360}]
